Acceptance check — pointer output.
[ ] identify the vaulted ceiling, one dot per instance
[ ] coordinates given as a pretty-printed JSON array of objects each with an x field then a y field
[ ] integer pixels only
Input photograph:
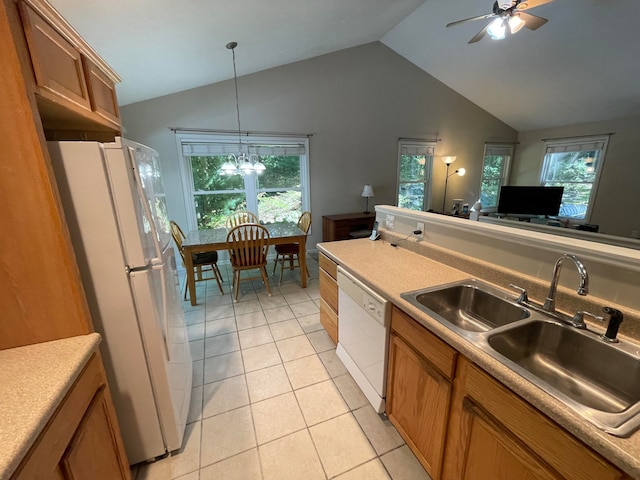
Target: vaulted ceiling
[{"x": 581, "y": 66}]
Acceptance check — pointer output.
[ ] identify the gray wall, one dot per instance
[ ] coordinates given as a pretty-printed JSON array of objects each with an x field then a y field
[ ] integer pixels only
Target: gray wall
[
  {"x": 618, "y": 195},
  {"x": 356, "y": 102}
]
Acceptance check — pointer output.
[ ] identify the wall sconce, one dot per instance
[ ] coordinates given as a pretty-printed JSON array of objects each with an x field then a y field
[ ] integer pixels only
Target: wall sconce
[
  {"x": 461, "y": 171},
  {"x": 367, "y": 192}
]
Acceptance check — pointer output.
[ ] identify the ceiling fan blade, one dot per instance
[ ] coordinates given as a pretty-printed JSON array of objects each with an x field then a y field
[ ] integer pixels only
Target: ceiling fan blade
[
  {"x": 529, "y": 4},
  {"x": 532, "y": 22},
  {"x": 479, "y": 17},
  {"x": 478, "y": 36}
]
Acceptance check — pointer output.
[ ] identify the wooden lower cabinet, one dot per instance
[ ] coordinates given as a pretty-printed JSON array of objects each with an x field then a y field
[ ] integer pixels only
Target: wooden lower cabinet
[
  {"x": 462, "y": 424},
  {"x": 418, "y": 391},
  {"x": 328, "y": 273},
  {"x": 82, "y": 439},
  {"x": 495, "y": 434}
]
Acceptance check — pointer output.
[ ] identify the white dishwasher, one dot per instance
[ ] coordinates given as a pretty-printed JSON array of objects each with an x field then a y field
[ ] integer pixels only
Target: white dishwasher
[{"x": 363, "y": 336}]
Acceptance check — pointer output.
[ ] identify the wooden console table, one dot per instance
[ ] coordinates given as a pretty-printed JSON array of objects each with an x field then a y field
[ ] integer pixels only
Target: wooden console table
[{"x": 346, "y": 226}]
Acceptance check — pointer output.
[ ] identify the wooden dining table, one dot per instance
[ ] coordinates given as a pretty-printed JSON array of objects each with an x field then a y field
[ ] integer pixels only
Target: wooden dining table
[{"x": 209, "y": 240}]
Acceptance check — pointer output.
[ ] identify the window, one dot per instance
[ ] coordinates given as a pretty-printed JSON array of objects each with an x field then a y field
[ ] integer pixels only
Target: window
[
  {"x": 495, "y": 173},
  {"x": 415, "y": 160},
  {"x": 574, "y": 163},
  {"x": 280, "y": 193}
]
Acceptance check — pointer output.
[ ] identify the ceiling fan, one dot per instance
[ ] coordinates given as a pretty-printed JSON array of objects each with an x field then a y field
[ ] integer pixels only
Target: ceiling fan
[{"x": 509, "y": 17}]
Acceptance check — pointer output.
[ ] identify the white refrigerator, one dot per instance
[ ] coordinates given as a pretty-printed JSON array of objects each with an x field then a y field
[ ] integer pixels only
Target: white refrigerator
[{"x": 113, "y": 199}]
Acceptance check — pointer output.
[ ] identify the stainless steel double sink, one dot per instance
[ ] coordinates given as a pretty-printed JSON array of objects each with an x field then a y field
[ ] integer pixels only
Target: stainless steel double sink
[{"x": 598, "y": 380}]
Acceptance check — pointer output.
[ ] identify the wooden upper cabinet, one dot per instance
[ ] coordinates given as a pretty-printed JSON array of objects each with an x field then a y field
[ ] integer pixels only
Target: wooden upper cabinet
[
  {"x": 57, "y": 63},
  {"x": 75, "y": 88},
  {"x": 102, "y": 92}
]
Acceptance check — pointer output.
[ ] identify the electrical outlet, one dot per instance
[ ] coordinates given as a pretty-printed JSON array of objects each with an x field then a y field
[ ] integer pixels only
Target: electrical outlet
[
  {"x": 390, "y": 222},
  {"x": 421, "y": 228}
]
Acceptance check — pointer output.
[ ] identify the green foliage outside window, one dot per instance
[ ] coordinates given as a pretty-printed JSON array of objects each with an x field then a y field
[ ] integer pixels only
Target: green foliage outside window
[
  {"x": 411, "y": 191},
  {"x": 491, "y": 180},
  {"x": 216, "y": 196},
  {"x": 576, "y": 172}
]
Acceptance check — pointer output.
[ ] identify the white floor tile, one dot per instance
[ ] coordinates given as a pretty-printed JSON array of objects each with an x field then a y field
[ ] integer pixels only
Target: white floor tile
[
  {"x": 340, "y": 453},
  {"x": 320, "y": 402},
  {"x": 276, "y": 417},
  {"x": 278, "y": 314},
  {"x": 332, "y": 363},
  {"x": 250, "y": 320},
  {"x": 270, "y": 302},
  {"x": 306, "y": 371},
  {"x": 195, "y": 406},
  {"x": 244, "y": 466},
  {"x": 373, "y": 470},
  {"x": 267, "y": 383},
  {"x": 220, "y": 327},
  {"x": 310, "y": 323},
  {"x": 260, "y": 357},
  {"x": 226, "y": 435},
  {"x": 321, "y": 341},
  {"x": 286, "y": 329},
  {"x": 292, "y": 457},
  {"x": 254, "y": 337},
  {"x": 304, "y": 308},
  {"x": 222, "y": 366},
  {"x": 294, "y": 347},
  {"x": 221, "y": 344},
  {"x": 378, "y": 429},
  {"x": 219, "y": 312},
  {"x": 224, "y": 395},
  {"x": 403, "y": 465},
  {"x": 350, "y": 391},
  {"x": 247, "y": 306}
]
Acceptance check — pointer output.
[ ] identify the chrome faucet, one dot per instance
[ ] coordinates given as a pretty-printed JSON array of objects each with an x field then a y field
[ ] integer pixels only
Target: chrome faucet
[{"x": 583, "y": 287}]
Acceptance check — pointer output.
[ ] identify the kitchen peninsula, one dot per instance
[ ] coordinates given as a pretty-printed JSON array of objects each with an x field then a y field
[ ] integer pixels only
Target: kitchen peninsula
[{"x": 572, "y": 447}]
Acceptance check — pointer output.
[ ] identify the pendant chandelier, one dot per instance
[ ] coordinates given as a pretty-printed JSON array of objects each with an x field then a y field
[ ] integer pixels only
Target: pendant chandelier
[{"x": 243, "y": 163}]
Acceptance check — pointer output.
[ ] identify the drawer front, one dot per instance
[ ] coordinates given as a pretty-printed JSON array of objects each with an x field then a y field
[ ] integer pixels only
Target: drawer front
[
  {"x": 329, "y": 320},
  {"x": 328, "y": 265},
  {"x": 441, "y": 355},
  {"x": 329, "y": 290}
]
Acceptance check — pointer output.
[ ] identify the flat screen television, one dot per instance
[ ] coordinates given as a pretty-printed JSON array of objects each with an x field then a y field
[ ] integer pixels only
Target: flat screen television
[{"x": 530, "y": 200}]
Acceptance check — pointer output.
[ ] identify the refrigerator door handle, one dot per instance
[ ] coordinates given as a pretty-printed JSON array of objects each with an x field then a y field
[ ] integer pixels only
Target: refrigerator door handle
[{"x": 165, "y": 314}]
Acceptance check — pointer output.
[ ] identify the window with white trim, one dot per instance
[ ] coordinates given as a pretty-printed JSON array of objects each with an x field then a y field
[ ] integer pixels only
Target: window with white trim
[
  {"x": 575, "y": 164},
  {"x": 495, "y": 173},
  {"x": 415, "y": 162},
  {"x": 280, "y": 193}
]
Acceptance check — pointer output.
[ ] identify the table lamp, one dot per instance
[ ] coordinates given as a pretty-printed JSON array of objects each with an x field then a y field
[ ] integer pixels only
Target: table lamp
[{"x": 367, "y": 192}]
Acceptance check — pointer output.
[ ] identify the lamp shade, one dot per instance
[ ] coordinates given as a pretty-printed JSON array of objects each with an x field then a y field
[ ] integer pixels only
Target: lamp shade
[
  {"x": 367, "y": 191},
  {"x": 449, "y": 159}
]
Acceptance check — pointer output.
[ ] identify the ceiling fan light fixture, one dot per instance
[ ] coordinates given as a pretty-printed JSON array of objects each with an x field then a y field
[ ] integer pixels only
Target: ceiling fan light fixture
[
  {"x": 515, "y": 23},
  {"x": 496, "y": 29}
]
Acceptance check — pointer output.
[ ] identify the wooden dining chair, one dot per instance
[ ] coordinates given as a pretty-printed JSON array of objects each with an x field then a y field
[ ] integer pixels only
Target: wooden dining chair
[
  {"x": 289, "y": 251},
  {"x": 248, "y": 246},
  {"x": 238, "y": 218},
  {"x": 200, "y": 260}
]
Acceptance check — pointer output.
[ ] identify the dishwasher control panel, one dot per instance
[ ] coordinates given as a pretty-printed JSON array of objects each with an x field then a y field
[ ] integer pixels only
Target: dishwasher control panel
[
  {"x": 371, "y": 302},
  {"x": 373, "y": 306}
]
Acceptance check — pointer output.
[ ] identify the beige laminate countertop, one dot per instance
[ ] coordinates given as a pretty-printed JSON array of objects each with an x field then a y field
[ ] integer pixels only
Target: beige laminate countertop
[
  {"x": 33, "y": 381},
  {"x": 394, "y": 270}
]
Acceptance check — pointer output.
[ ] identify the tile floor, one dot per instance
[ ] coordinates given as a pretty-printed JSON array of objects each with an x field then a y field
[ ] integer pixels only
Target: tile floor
[{"x": 271, "y": 400}]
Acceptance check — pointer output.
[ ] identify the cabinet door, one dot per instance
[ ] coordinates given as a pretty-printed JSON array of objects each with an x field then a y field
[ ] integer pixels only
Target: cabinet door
[
  {"x": 102, "y": 92},
  {"x": 57, "y": 63},
  {"x": 418, "y": 399},
  {"x": 93, "y": 451},
  {"x": 490, "y": 452},
  {"x": 495, "y": 434}
]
